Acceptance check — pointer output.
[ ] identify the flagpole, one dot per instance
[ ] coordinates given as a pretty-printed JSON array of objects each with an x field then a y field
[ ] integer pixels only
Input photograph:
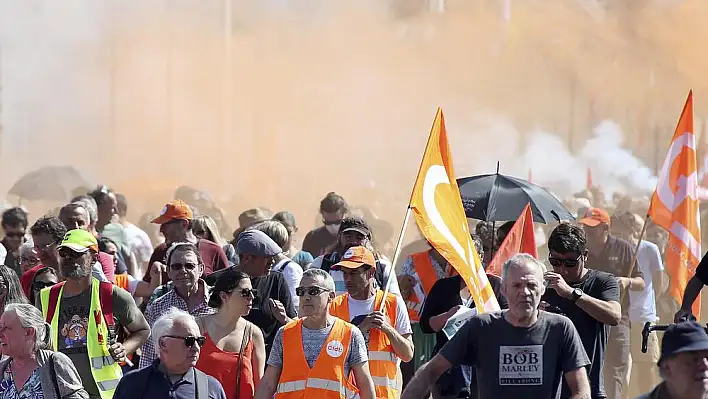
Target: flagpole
[
  {"x": 396, "y": 254},
  {"x": 636, "y": 252}
]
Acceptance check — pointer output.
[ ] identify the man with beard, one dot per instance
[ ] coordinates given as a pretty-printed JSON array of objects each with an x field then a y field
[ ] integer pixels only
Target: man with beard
[
  {"x": 85, "y": 313},
  {"x": 47, "y": 232},
  {"x": 355, "y": 232},
  {"x": 188, "y": 292},
  {"x": 14, "y": 226}
]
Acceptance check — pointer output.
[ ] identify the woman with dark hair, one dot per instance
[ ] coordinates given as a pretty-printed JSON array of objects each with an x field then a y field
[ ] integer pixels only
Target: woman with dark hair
[
  {"x": 45, "y": 277},
  {"x": 234, "y": 352},
  {"x": 10, "y": 291}
]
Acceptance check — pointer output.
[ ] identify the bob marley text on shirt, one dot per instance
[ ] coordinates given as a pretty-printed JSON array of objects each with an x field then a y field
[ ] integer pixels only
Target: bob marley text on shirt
[
  {"x": 521, "y": 365},
  {"x": 73, "y": 327}
]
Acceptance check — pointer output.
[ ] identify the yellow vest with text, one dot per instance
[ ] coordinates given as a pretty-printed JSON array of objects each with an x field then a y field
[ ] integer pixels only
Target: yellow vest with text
[{"x": 106, "y": 372}]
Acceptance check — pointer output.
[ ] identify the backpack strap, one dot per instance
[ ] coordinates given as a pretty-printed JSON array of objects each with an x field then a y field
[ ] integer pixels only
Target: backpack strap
[
  {"x": 105, "y": 298},
  {"x": 53, "y": 299},
  {"x": 202, "y": 384}
]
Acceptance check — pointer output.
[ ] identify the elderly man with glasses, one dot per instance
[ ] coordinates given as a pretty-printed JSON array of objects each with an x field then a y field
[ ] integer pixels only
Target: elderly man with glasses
[
  {"x": 173, "y": 375},
  {"x": 321, "y": 352}
]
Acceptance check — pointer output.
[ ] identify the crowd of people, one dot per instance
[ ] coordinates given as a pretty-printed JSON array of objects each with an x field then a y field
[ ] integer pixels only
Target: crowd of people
[{"x": 94, "y": 306}]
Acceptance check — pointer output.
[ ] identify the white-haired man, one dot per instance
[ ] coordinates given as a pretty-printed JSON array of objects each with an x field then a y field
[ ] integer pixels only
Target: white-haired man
[
  {"x": 177, "y": 337},
  {"x": 508, "y": 348},
  {"x": 321, "y": 350}
]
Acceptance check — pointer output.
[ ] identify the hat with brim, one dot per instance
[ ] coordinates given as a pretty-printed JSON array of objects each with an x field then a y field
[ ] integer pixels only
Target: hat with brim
[
  {"x": 687, "y": 336},
  {"x": 174, "y": 210},
  {"x": 80, "y": 241},
  {"x": 356, "y": 257},
  {"x": 595, "y": 217}
]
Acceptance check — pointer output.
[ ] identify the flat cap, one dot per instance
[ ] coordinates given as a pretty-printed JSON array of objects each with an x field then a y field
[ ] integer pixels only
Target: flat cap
[{"x": 256, "y": 242}]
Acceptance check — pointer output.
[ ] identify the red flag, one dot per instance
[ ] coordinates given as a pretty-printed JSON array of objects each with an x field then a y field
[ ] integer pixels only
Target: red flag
[
  {"x": 521, "y": 239},
  {"x": 588, "y": 179}
]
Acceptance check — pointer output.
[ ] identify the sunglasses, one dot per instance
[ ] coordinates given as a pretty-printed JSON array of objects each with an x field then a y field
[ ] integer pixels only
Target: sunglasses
[
  {"x": 311, "y": 291},
  {"x": 69, "y": 253},
  {"x": 185, "y": 266},
  {"x": 247, "y": 292},
  {"x": 189, "y": 340},
  {"x": 40, "y": 285},
  {"x": 555, "y": 262}
]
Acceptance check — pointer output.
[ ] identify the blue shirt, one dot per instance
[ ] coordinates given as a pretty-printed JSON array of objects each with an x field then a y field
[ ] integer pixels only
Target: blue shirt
[{"x": 151, "y": 382}]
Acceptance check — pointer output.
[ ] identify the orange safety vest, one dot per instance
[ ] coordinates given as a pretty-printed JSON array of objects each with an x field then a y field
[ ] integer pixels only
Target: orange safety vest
[
  {"x": 326, "y": 379},
  {"x": 425, "y": 277},
  {"x": 383, "y": 362}
]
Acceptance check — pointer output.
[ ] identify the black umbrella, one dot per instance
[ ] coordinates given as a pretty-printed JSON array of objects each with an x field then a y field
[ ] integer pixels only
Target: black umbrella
[
  {"x": 54, "y": 183},
  {"x": 501, "y": 198}
]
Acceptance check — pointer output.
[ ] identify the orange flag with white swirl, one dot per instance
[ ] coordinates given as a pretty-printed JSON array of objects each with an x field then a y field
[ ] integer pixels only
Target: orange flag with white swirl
[
  {"x": 438, "y": 210},
  {"x": 674, "y": 206}
]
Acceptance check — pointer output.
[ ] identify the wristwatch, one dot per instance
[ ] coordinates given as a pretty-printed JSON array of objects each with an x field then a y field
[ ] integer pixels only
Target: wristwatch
[{"x": 577, "y": 293}]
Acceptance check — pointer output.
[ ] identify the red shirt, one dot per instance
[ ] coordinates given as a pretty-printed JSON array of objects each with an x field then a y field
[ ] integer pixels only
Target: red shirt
[
  {"x": 27, "y": 277},
  {"x": 211, "y": 253}
]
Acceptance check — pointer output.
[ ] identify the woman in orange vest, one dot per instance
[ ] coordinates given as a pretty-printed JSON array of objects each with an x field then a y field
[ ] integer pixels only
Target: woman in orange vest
[{"x": 313, "y": 357}]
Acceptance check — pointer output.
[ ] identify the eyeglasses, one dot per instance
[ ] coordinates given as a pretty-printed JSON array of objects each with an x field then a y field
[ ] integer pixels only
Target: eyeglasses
[
  {"x": 555, "y": 262},
  {"x": 70, "y": 253},
  {"x": 311, "y": 291},
  {"x": 189, "y": 340},
  {"x": 185, "y": 266},
  {"x": 247, "y": 292},
  {"x": 45, "y": 247}
]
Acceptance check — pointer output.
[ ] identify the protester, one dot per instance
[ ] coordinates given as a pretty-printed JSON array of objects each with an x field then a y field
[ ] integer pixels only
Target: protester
[
  {"x": 188, "y": 291},
  {"x": 153, "y": 231},
  {"x": 82, "y": 310},
  {"x": 173, "y": 374},
  {"x": 613, "y": 255},
  {"x": 47, "y": 232},
  {"x": 29, "y": 369},
  {"x": 642, "y": 304},
  {"x": 683, "y": 364},
  {"x": 45, "y": 277},
  {"x": 28, "y": 257},
  {"x": 204, "y": 227},
  {"x": 302, "y": 258},
  {"x": 419, "y": 273},
  {"x": 281, "y": 263},
  {"x": 333, "y": 209},
  {"x": 589, "y": 298},
  {"x": 76, "y": 216},
  {"x": 136, "y": 288},
  {"x": 248, "y": 218},
  {"x": 140, "y": 243},
  {"x": 445, "y": 299},
  {"x": 175, "y": 222},
  {"x": 273, "y": 308},
  {"x": 355, "y": 232},
  {"x": 521, "y": 352},
  {"x": 314, "y": 356},
  {"x": 383, "y": 319},
  {"x": 234, "y": 350},
  {"x": 14, "y": 227}
]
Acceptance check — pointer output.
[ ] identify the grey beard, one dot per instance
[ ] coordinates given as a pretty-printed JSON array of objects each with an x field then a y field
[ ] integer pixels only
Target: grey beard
[{"x": 75, "y": 271}]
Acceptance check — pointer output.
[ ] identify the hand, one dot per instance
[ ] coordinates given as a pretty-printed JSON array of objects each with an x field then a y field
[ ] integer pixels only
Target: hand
[
  {"x": 623, "y": 283},
  {"x": 453, "y": 310},
  {"x": 556, "y": 282},
  {"x": 406, "y": 284},
  {"x": 278, "y": 310},
  {"x": 379, "y": 321},
  {"x": 156, "y": 272},
  {"x": 543, "y": 305},
  {"x": 118, "y": 352},
  {"x": 682, "y": 315}
]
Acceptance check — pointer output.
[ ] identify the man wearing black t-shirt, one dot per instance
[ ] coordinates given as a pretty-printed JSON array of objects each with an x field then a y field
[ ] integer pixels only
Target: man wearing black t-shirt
[
  {"x": 589, "y": 298},
  {"x": 613, "y": 255}
]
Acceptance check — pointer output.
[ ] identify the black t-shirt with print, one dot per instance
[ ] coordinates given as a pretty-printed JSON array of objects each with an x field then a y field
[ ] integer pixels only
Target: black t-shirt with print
[{"x": 593, "y": 333}]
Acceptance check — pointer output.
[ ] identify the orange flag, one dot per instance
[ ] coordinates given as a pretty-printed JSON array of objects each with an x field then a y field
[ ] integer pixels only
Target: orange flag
[
  {"x": 521, "y": 239},
  {"x": 588, "y": 179},
  {"x": 438, "y": 210},
  {"x": 674, "y": 206}
]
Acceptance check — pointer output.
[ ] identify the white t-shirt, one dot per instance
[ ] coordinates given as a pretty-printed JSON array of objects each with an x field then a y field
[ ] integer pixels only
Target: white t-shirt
[
  {"x": 293, "y": 274},
  {"x": 642, "y": 304},
  {"x": 140, "y": 242},
  {"x": 359, "y": 307}
]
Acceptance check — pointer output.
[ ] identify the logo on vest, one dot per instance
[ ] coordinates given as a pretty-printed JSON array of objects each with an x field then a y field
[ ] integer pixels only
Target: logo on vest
[
  {"x": 335, "y": 348},
  {"x": 521, "y": 365}
]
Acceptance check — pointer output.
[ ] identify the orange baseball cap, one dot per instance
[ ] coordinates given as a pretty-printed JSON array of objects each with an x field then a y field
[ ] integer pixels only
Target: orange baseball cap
[
  {"x": 595, "y": 217},
  {"x": 356, "y": 257},
  {"x": 174, "y": 210}
]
